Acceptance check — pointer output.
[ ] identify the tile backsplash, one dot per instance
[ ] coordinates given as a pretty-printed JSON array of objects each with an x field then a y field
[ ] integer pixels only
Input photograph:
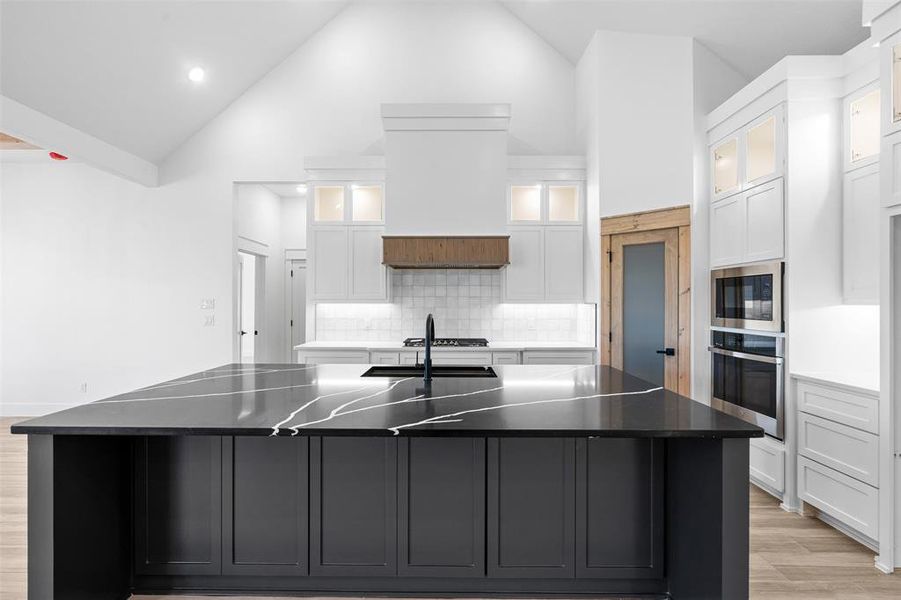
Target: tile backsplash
[{"x": 465, "y": 303}]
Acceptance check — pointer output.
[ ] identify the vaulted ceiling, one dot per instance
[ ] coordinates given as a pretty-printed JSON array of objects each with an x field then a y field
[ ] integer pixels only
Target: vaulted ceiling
[{"x": 117, "y": 70}]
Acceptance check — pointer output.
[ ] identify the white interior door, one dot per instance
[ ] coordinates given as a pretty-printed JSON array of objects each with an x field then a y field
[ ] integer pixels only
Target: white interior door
[
  {"x": 297, "y": 305},
  {"x": 247, "y": 298}
]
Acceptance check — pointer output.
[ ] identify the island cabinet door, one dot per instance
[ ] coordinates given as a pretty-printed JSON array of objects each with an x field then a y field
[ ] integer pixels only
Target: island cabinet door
[
  {"x": 353, "y": 506},
  {"x": 265, "y": 505},
  {"x": 178, "y": 503},
  {"x": 619, "y": 508},
  {"x": 531, "y": 506},
  {"x": 441, "y": 507}
]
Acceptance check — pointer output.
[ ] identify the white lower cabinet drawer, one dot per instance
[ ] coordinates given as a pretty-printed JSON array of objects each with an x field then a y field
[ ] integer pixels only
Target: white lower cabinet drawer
[
  {"x": 850, "y": 451},
  {"x": 558, "y": 357},
  {"x": 462, "y": 357},
  {"x": 325, "y": 357},
  {"x": 845, "y": 499},
  {"x": 384, "y": 358},
  {"x": 505, "y": 358},
  {"x": 854, "y": 410},
  {"x": 767, "y": 463}
]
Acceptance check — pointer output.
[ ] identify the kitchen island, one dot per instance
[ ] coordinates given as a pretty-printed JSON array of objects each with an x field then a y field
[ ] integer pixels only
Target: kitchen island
[{"x": 312, "y": 479}]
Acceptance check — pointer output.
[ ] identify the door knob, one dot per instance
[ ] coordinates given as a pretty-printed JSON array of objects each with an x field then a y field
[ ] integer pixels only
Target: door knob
[
  {"x": 667, "y": 351},
  {"x": 243, "y": 332}
]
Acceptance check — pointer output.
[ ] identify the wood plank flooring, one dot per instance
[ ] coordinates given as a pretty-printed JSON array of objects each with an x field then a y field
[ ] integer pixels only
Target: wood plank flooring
[{"x": 792, "y": 557}]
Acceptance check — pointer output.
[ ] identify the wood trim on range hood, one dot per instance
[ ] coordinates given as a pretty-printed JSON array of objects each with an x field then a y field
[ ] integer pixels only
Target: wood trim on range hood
[{"x": 446, "y": 252}]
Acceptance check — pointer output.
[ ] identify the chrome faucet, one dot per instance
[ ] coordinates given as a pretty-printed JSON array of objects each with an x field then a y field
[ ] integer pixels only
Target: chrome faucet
[{"x": 429, "y": 338}]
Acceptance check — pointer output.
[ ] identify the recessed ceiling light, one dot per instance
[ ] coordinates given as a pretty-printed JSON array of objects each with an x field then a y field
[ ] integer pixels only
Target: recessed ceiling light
[
  {"x": 301, "y": 189},
  {"x": 196, "y": 74}
]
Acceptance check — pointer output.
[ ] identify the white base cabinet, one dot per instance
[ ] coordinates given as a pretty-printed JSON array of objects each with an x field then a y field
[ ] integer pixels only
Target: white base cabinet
[
  {"x": 410, "y": 356},
  {"x": 838, "y": 453},
  {"x": 767, "y": 465}
]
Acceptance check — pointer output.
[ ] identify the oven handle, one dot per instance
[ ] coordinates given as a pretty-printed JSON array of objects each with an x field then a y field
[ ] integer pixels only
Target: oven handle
[{"x": 773, "y": 360}]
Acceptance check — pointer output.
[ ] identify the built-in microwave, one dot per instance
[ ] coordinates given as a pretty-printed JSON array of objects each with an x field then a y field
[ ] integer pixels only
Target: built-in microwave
[
  {"x": 746, "y": 372},
  {"x": 748, "y": 297}
]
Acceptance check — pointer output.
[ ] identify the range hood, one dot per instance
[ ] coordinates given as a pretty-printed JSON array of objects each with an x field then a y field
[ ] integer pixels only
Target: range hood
[
  {"x": 446, "y": 169},
  {"x": 442, "y": 252}
]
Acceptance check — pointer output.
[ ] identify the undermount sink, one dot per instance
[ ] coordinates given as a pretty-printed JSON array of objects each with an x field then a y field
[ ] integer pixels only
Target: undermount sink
[{"x": 437, "y": 371}]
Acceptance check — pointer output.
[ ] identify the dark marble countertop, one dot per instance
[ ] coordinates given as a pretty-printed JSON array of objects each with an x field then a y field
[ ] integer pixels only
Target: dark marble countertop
[{"x": 291, "y": 399}]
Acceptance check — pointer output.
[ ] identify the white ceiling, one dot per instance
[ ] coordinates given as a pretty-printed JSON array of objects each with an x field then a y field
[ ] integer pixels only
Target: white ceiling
[
  {"x": 118, "y": 70},
  {"x": 285, "y": 190},
  {"x": 750, "y": 35}
]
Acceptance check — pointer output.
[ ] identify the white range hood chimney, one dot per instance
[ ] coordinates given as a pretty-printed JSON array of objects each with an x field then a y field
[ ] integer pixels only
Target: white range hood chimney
[{"x": 445, "y": 169}]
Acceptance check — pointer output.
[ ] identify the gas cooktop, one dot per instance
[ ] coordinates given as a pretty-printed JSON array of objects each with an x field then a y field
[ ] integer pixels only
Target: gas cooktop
[{"x": 448, "y": 342}]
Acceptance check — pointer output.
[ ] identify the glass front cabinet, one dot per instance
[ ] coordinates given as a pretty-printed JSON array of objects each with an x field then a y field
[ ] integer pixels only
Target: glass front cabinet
[
  {"x": 861, "y": 125},
  {"x": 346, "y": 223},
  {"x": 750, "y": 156},
  {"x": 546, "y": 242}
]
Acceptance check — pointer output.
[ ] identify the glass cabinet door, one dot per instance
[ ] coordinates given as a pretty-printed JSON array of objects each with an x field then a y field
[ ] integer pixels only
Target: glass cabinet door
[
  {"x": 864, "y": 127},
  {"x": 563, "y": 203},
  {"x": 525, "y": 203},
  {"x": 761, "y": 149},
  {"x": 328, "y": 203},
  {"x": 896, "y": 83},
  {"x": 725, "y": 166},
  {"x": 367, "y": 203}
]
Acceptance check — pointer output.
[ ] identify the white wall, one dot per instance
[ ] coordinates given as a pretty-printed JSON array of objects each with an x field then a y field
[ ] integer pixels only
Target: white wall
[
  {"x": 645, "y": 121},
  {"x": 103, "y": 280},
  {"x": 294, "y": 223},
  {"x": 131, "y": 264},
  {"x": 714, "y": 82},
  {"x": 588, "y": 104}
]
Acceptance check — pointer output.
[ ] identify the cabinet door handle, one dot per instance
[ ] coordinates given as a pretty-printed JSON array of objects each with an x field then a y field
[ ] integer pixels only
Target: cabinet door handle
[{"x": 667, "y": 351}]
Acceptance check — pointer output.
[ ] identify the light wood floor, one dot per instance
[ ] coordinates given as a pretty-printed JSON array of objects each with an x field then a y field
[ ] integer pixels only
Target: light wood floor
[{"x": 792, "y": 557}]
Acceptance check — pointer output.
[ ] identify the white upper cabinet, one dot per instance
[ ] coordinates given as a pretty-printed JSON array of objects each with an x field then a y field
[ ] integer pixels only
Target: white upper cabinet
[
  {"x": 328, "y": 253},
  {"x": 525, "y": 203},
  {"x": 368, "y": 276},
  {"x": 724, "y": 165},
  {"x": 362, "y": 203},
  {"x": 764, "y": 222},
  {"x": 563, "y": 264},
  {"x": 524, "y": 276},
  {"x": 860, "y": 236},
  {"x": 727, "y": 231},
  {"x": 861, "y": 128},
  {"x": 368, "y": 203},
  {"x": 548, "y": 202},
  {"x": 546, "y": 246},
  {"x": 748, "y": 227},
  {"x": 345, "y": 242},
  {"x": 749, "y": 156},
  {"x": 328, "y": 203},
  {"x": 564, "y": 203}
]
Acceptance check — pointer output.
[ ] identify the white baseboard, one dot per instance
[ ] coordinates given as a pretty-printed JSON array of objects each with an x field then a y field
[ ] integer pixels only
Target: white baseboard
[
  {"x": 766, "y": 488},
  {"x": 851, "y": 533}
]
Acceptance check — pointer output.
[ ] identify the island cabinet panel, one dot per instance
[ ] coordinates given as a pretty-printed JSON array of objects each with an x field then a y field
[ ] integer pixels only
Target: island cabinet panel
[
  {"x": 265, "y": 505},
  {"x": 531, "y": 505},
  {"x": 178, "y": 502},
  {"x": 619, "y": 508},
  {"x": 353, "y": 506},
  {"x": 441, "y": 507}
]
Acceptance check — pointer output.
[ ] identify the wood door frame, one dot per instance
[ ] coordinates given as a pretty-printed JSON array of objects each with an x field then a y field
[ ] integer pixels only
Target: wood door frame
[{"x": 678, "y": 218}]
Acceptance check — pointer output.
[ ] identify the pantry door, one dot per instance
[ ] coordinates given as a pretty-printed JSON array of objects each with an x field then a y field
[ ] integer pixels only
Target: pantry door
[{"x": 646, "y": 295}]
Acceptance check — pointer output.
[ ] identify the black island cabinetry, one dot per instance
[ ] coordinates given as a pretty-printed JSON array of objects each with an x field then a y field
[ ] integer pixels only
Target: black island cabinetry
[{"x": 350, "y": 508}]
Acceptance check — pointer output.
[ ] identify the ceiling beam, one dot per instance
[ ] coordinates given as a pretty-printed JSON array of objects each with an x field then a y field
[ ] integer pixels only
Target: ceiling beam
[{"x": 36, "y": 128}]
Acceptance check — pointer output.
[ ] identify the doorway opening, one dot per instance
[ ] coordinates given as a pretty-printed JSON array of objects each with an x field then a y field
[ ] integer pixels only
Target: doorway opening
[
  {"x": 248, "y": 295},
  {"x": 646, "y": 296}
]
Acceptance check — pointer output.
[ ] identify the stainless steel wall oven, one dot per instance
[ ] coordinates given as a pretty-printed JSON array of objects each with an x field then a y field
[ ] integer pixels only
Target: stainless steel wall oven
[{"x": 747, "y": 378}]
